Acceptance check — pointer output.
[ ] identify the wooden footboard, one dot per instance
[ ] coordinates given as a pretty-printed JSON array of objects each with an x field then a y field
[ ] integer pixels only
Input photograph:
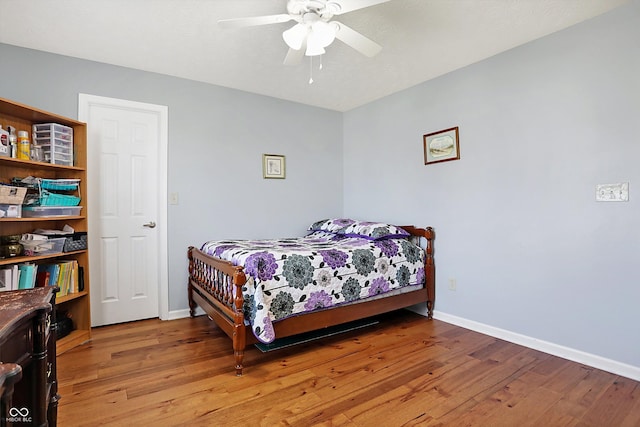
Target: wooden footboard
[{"x": 216, "y": 286}]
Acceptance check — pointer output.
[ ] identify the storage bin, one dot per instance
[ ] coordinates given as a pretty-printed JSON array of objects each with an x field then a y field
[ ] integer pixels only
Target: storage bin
[
  {"x": 63, "y": 326},
  {"x": 56, "y": 157},
  {"x": 59, "y": 184},
  {"x": 48, "y": 198},
  {"x": 76, "y": 242},
  {"x": 54, "y": 128},
  {"x": 43, "y": 247},
  {"x": 60, "y": 147},
  {"x": 10, "y": 211},
  {"x": 45, "y": 211},
  {"x": 12, "y": 195}
]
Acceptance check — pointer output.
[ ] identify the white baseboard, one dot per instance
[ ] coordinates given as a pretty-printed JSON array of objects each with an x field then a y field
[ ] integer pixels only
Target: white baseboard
[
  {"x": 181, "y": 314},
  {"x": 574, "y": 355},
  {"x": 578, "y": 356}
]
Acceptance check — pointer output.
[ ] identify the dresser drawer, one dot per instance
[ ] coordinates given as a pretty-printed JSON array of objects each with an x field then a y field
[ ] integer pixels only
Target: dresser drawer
[{"x": 21, "y": 347}]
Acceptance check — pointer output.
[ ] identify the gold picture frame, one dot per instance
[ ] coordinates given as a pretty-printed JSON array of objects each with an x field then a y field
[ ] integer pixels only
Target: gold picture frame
[
  {"x": 273, "y": 166},
  {"x": 441, "y": 146}
]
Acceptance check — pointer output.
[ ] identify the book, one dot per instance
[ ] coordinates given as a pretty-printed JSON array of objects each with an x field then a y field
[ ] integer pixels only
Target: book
[
  {"x": 42, "y": 278},
  {"x": 80, "y": 278},
  {"x": 27, "y": 275},
  {"x": 62, "y": 270},
  {"x": 64, "y": 278},
  {"x": 15, "y": 277},
  {"x": 74, "y": 277},
  {"x": 6, "y": 280},
  {"x": 53, "y": 270}
]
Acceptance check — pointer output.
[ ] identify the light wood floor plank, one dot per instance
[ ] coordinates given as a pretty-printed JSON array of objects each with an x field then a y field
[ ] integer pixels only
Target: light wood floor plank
[{"x": 407, "y": 370}]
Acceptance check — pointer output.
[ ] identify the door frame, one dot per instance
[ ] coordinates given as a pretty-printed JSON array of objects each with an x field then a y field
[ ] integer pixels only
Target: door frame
[{"x": 85, "y": 101}]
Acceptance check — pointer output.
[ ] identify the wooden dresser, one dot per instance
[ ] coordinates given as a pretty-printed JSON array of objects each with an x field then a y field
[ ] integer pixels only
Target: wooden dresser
[{"x": 27, "y": 338}]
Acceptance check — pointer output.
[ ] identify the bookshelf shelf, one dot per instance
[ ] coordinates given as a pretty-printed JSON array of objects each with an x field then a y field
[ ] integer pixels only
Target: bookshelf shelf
[
  {"x": 69, "y": 297},
  {"x": 42, "y": 219},
  {"x": 23, "y": 117},
  {"x": 21, "y": 259},
  {"x": 39, "y": 165},
  {"x": 74, "y": 339}
]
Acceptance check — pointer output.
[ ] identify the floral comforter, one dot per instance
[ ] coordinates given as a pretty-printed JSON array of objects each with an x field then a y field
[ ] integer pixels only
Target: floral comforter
[{"x": 291, "y": 276}]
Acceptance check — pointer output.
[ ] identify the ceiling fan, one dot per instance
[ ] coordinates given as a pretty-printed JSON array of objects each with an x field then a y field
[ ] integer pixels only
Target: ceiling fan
[{"x": 314, "y": 29}]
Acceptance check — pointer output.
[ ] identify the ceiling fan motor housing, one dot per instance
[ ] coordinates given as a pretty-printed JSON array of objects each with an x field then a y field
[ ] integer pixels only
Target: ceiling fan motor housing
[{"x": 321, "y": 8}]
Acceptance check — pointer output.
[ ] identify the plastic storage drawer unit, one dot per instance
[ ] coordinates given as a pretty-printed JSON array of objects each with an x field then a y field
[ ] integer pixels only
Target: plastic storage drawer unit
[{"x": 56, "y": 141}]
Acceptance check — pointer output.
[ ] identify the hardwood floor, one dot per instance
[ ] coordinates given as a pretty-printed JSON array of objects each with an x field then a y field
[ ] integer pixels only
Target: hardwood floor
[{"x": 407, "y": 370}]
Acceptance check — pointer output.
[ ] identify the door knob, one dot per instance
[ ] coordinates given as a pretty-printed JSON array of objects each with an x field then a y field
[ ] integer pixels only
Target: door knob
[{"x": 150, "y": 224}]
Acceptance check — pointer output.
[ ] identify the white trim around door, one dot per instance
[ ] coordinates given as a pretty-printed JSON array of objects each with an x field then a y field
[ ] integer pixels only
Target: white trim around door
[{"x": 85, "y": 102}]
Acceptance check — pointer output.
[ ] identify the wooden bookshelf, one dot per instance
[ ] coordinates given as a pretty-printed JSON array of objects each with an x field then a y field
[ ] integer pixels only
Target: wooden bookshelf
[{"x": 22, "y": 117}]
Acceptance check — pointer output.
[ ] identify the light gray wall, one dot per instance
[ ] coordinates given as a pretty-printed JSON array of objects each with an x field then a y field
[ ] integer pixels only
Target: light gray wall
[
  {"x": 516, "y": 220},
  {"x": 216, "y": 140}
]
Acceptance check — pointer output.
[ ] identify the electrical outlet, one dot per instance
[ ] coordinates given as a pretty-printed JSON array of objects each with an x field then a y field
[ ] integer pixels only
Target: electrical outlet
[
  {"x": 453, "y": 285},
  {"x": 618, "y": 192}
]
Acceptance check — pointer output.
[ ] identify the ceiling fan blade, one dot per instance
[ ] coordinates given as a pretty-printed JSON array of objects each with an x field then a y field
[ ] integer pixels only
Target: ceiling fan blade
[
  {"x": 338, "y": 7},
  {"x": 356, "y": 40},
  {"x": 254, "y": 20},
  {"x": 294, "y": 57}
]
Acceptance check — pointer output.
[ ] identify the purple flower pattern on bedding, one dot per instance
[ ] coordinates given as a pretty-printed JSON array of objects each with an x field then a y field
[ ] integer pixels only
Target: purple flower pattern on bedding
[
  {"x": 334, "y": 258},
  {"x": 318, "y": 300},
  {"x": 261, "y": 265},
  {"x": 379, "y": 286},
  {"x": 389, "y": 247},
  {"x": 287, "y": 277}
]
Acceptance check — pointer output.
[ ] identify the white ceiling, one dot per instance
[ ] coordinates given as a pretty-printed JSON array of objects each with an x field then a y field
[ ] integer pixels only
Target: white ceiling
[{"x": 421, "y": 39}]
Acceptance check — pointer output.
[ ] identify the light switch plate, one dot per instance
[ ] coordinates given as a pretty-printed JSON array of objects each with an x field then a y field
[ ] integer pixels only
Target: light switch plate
[
  {"x": 173, "y": 198},
  {"x": 612, "y": 192}
]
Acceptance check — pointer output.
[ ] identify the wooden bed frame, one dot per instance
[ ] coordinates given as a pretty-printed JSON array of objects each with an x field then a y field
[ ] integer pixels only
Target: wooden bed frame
[{"x": 212, "y": 282}]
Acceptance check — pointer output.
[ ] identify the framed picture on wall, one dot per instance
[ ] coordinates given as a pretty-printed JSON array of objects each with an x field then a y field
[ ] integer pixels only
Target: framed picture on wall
[
  {"x": 441, "y": 146},
  {"x": 273, "y": 166}
]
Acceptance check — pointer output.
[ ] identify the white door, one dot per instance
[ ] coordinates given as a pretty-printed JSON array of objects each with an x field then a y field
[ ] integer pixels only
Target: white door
[{"x": 126, "y": 151}]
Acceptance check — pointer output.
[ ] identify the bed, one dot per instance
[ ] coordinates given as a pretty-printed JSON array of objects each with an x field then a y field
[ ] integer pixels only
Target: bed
[{"x": 343, "y": 270}]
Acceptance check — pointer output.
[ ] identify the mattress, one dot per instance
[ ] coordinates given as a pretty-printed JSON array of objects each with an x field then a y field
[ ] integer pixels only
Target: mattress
[{"x": 288, "y": 277}]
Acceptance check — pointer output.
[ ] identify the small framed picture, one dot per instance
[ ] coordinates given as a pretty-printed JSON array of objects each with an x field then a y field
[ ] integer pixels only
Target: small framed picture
[
  {"x": 441, "y": 146},
  {"x": 273, "y": 166}
]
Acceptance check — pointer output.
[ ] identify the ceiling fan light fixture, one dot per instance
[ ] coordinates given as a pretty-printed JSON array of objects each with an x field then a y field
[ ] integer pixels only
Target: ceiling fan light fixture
[
  {"x": 324, "y": 32},
  {"x": 314, "y": 49},
  {"x": 295, "y": 36},
  {"x": 320, "y": 36}
]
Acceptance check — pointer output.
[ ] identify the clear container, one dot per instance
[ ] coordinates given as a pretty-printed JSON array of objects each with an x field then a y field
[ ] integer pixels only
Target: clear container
[
  {"x": 10, "y": 211},
  {"x": 47, "y": 211},
  {"x": 43, "y": 247}
]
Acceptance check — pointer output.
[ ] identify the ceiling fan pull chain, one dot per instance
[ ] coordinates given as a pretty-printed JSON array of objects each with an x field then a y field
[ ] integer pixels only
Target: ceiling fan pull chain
[
  {"x": 310, "y": 69},
  {"x": 320, "y": 67}
]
